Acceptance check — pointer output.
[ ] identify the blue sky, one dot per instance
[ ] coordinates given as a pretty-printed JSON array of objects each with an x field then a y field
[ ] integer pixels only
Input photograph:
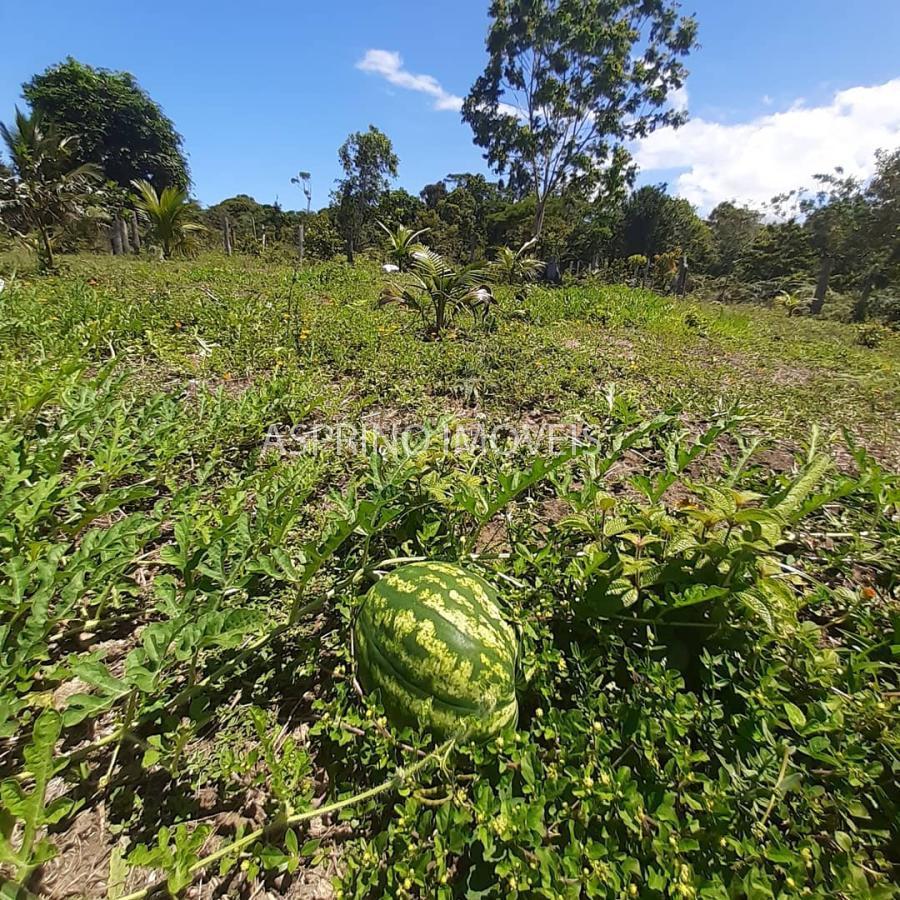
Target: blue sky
[{"x": 261, "y": 90}]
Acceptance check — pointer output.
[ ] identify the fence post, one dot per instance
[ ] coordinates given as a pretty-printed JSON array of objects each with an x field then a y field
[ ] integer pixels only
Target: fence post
[{"x": 681, "y": 285}]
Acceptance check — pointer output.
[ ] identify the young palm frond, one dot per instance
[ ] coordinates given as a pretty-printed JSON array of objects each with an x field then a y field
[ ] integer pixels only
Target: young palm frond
[
  {"x": 439, "y": 292},
  {"x": 516, "y": 266},
  {"x": 167, "y": 214},
  {"x": 403, "y": 244}
]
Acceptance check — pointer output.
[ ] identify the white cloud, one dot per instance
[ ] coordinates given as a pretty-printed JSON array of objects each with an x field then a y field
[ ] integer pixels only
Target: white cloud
[
  {"x": 389, "y": 65},
  {"x": 679, "y": 99},
  {"x": 753, "y": 161}
]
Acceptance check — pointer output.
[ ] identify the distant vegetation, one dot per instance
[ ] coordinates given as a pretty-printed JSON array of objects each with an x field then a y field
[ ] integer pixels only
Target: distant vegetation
[{"x": 832, "y": 245}]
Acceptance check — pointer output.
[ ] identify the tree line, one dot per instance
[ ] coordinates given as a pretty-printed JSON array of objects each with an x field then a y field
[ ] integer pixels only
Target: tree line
[{"x": 96, "y": 163}]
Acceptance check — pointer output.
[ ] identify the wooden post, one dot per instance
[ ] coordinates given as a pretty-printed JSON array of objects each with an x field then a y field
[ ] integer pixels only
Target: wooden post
[
  {"x": 681, "y": 284},
  {"x": 226, "y": 235},
  {"x": 135, "y": 232},
  {"x": 301, "y": 229}
]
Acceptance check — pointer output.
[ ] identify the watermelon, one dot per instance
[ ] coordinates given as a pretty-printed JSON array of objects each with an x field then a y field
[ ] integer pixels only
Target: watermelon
[{"x": 432, "y": 643}]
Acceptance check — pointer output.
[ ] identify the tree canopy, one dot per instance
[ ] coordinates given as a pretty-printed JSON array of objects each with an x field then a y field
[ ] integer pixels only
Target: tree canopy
[
  {"x": 119, "y": 127},
  {"x": 369, "y": 163}
]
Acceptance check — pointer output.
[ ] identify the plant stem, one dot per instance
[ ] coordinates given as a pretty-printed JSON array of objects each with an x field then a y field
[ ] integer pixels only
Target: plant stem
[{"x": 282, "y": 823}]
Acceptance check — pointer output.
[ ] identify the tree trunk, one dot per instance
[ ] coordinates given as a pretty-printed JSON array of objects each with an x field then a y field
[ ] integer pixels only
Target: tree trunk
[
  {"x": 226, "y": 235},
  {"x": 301, "y": 237},
  {"x": 123, "y": 234},
  {"x": 551, "y": 272},
  {"x": 45, "y": 255},
  {"x": 539, "y": 217},
  {"x": 135, "y": 232},
  {"x": 825, "y": 266},
  {"x": 350, "y": 249},
  {"x": 861, "y": 307},
  {"x": 115, "y": 237}
]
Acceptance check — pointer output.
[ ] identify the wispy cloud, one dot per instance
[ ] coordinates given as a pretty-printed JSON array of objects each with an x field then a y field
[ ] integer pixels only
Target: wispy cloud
[
  {"x": 753, "y": 161},
  {"x": 389, "y": 65}
]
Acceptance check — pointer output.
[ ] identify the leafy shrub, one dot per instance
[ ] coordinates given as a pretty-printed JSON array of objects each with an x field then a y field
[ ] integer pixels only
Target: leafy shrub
[{"x": 872, "y": 334}]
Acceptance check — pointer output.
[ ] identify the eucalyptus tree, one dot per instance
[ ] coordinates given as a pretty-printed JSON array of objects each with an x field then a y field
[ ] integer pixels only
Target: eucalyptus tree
[
  {"x": 569, "y": 82},
  {"x": 369, "y": 162},
  {"x": 304, "y": 181},
  {"x": 46, "y": 189}
]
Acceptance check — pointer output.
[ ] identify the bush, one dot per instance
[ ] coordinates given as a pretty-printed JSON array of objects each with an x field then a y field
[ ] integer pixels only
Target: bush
[{"x": 872, "y": 334}]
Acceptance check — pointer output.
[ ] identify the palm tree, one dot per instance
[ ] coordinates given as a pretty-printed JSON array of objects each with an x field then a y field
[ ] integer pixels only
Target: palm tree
[
  {"x": 404, "y": 244},
  {"x": 516, "y": 266},
  {"x": 439, "y": 292},
  {"x": 167, "y": 214},
  {"x": 46, "y": 190}
]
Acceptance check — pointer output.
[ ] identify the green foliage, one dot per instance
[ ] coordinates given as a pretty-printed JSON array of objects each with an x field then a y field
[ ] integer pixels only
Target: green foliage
[
  {"x": 872, "y": 335},
  {"x": 46, "y": 189},
  {"x": 440, "y": 293},
  {"x": 708, "y": 672},
  {"x": 249, "y": 220},
  {"x": 168, "y": 216},
  {"x": 29, "y": 806},
  {"x": 654, "y": 223},
  {"x": 515, "y": 266},
  {"x": 120, "y": 129},
  {"x": 734, "y": 229},
  {"x": 779, "y": 253},
  {"x": 403, "y": 245}
]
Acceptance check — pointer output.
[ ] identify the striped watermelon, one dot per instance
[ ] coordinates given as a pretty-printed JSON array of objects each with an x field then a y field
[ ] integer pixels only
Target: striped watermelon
[{"x": 432, "y": 642}]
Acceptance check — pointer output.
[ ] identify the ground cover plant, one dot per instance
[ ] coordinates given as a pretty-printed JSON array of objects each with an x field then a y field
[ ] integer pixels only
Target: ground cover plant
[{"x": 703, "y": 589}]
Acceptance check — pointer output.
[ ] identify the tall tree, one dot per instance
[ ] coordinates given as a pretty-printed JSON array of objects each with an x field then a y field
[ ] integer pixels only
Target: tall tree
[
  {"x": 833, "y": 213},
  {"x": 304, "y": 181},
  {"x": 369, "y": 162},
  {"x": 878, "y": 242},
  {"x": 782, "y": 253},
  {"x": 734, "y": 229},
  {"x": 654, "y": 223},
  {"x": 46, "y": 188},
  {"x": 569, "y": 82},
  {"x": 119, "y": 127}
]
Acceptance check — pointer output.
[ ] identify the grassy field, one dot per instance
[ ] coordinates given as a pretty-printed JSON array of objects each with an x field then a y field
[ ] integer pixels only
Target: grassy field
[{"x": 706, "y": 591}]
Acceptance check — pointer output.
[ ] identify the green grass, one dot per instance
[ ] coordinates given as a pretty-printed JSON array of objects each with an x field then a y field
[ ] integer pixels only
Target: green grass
[{"x": 706, "y": 598}]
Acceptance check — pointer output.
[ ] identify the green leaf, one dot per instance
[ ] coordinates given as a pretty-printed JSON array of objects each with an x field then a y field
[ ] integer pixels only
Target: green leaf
[{"x": 795, "y": 715}]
